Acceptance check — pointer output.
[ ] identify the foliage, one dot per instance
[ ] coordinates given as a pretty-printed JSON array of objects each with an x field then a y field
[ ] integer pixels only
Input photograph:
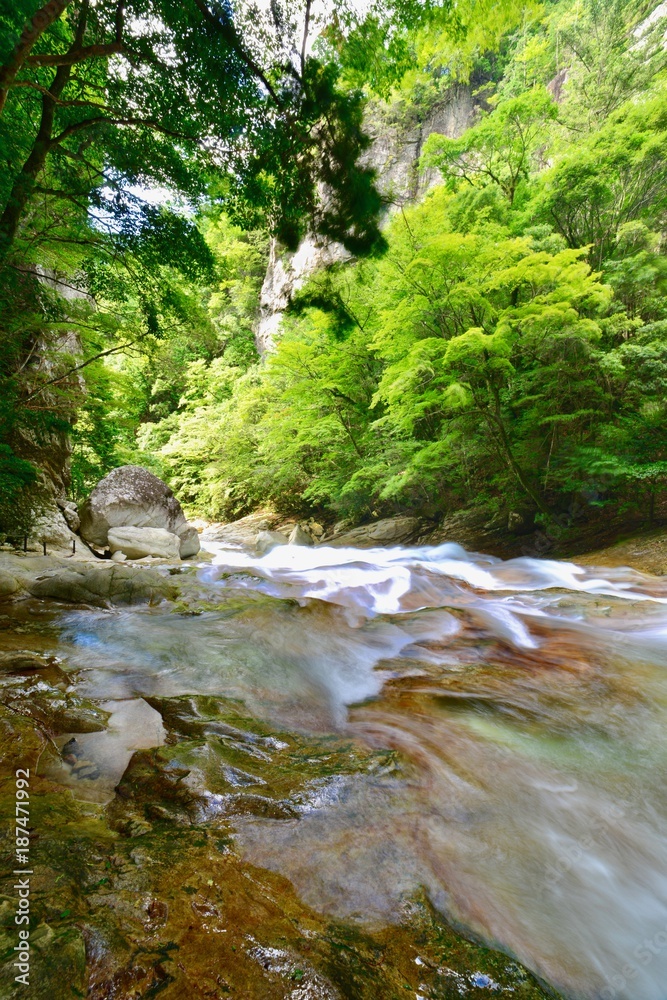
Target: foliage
[
  {"x": 501, "y": 148},
  {"x": 508, "y": 351},
  {"x": 500, "y": 344},
  {"x": 21, "y": 500}
]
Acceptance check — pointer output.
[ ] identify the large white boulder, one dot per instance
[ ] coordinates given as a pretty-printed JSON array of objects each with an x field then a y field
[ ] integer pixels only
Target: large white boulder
[
  {"x": 129, "y": 497},
  {"x": 135, "y": 543}
]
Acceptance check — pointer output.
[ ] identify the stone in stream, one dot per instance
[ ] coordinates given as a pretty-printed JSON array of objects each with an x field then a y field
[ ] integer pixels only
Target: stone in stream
[
  {"x": 130, "y": 496},
  {"x": 20, "y": 662},
  {"x": 267, "y": 540},
  {"x": 151, "y": 894},
  {"x": 299, "y": 537},
  {"x": 135, "y": 543},
  {"x": 189, "y": 539}
]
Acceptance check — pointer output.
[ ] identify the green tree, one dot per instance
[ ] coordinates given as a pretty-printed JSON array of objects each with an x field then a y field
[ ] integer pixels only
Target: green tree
[
  {"x": 614, "y": 176},
  {"x": 501, "y": 149}
]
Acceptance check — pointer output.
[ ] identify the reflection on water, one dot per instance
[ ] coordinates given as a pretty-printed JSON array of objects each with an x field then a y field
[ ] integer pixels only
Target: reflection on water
[{"x": 527, "y": 701}]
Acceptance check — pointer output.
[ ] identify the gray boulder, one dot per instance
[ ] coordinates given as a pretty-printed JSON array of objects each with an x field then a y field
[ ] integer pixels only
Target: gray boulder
[
  {"x": 8, "y": 584},
  {"x": 189, "y": 539},
  {"x": 267, "y": 540},
  {"x": 389, "y": 531},
  {"x": 135, "y": 543},
  {"x": 299, "y": 537},
  {"x": 70, "y": 513},
  {"x": 242, "y": 533},
  {"x": 129, "y": 497}
]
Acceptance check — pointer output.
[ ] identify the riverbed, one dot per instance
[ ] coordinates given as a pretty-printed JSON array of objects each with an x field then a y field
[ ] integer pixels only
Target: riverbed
[{"x": 398, "y": 738}]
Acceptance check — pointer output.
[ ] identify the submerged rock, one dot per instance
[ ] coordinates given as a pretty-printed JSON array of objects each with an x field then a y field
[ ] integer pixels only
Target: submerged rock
[
  {"x": 135, "y": 543},
  {"x": 129, "y": 496},
  {"x": 154, "y": 892}
]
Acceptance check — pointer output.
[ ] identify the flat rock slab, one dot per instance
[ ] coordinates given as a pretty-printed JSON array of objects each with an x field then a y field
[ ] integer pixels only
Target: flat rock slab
[
  {"x": 135, "y": 543},
  {"x": 103, "y": 585},
  {"x": 389, "y": 531}
]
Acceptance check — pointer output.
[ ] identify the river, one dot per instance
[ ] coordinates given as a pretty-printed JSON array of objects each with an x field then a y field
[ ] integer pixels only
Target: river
[{"x": 525, "y": 702}]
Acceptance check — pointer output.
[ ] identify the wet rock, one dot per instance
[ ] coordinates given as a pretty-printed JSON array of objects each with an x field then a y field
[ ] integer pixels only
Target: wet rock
[
  {"x": 389, "y": 531},
  {"x": 135, "y": 543},
  {"x": 267, "y": 540},
  {"x": 129, "y": 497},
  {"x": 646, "y": 552},
  {"x": 55, "y": 710},
  {"x": 21, "y": 662},
  {"x": 20, "y": 741},
  {"x": 103, "y": 585},
  {"x": 300, "y": 537}
]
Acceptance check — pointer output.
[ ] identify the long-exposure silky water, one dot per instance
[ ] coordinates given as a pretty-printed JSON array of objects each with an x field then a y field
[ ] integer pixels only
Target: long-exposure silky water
[{"x": 526, "y": 702}]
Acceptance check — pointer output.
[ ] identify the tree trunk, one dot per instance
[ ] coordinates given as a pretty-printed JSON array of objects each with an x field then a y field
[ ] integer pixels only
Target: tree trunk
[
  {"x": 495, "y": 420},
  {"x": 24, "y": 184}
]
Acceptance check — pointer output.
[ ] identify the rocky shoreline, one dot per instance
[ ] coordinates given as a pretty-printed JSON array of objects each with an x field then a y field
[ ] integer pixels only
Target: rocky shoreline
[{"x": 82, "y": 578}]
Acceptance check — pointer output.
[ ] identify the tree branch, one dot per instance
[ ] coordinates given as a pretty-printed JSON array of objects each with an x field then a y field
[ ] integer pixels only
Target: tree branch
[
  {"x": 63, "y": 104},
  {"x": 228, "y": 32},
  {"x": 77, "y": 368},
  {"x": 75, "y": 55},
  {"x": 306, "y": 26},
  {"x": 89, "y": 122},
  {"x": 44, "y": 17}
]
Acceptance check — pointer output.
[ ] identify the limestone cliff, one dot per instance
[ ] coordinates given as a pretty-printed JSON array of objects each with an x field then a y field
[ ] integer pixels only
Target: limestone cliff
[{"x": 398, "y": 134}]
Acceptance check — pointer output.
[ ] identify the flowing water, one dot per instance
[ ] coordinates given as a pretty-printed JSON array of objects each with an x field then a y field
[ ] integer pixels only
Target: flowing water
[{"x": 526, "y": 702}]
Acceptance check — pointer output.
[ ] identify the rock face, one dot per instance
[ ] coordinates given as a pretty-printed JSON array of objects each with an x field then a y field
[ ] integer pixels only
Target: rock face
[
  {"x": 52, "y": 529},
  {"x": 389, "y": 531},
  {"x": 398, "y": 135},
  {"x": 135, "y": 543},
  {"x": 129, "y": 497}
]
